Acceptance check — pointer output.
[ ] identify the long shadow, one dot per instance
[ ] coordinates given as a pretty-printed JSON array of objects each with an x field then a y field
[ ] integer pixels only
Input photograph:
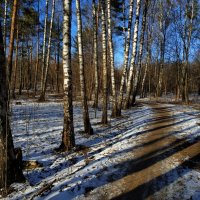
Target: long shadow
[
  {"x": 133, "y": 165},
  {"x": 172, "y": 133},
  {"x": 139, "y": 124},
  {"x": 142, "y": 132},
  {"x": 58, "y": 168},
  {"x": 147, "y": 189}
]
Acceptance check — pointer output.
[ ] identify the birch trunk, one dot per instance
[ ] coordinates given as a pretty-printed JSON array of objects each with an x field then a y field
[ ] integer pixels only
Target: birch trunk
[
  {"x": 95, "y": 56},
  {"x": 138, "y": 70},
  {"x": 44, "y": 43},
  {"x": 104, "y": 119},
  {"x": 133, "y": 58},
  {"x": 4, "y": 25},
  {"x": 187, "y": 43},
  {"x": 110, "y": 45},
  {"x": 142, "y": 95},
  {"x": 126, "y": 58},
  {"x": 10, "y": 158},
  {"x": 147, "y": 65},
  {"x": 68, "y": 138},
  {"x": 12, "y": 34},
  {"x": 46, "y": 66},
  {"x": 87, "y": 126}
]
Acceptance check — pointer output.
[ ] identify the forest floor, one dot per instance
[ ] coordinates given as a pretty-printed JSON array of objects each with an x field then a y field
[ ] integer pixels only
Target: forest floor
[{"x": 152, "y": 152}]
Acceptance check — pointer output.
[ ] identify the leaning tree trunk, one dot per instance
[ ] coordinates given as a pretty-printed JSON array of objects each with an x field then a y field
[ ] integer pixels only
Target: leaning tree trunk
[
  {"x": 138, "y": 70},
  {"x": 104, "y": 119},
  {"x": 86, "y": 119},
  {"x": 12, "y": 33},
  {"x": 44, "y": 44},
  {"x": 111, "y": 53},
  {"x": 46, "y": 66},
  {"x": 133, "y": 58},
  {"x": 68, "y": 138},
  {"x": 10, "y": 158},
  {"x": 95, "y": 56}
]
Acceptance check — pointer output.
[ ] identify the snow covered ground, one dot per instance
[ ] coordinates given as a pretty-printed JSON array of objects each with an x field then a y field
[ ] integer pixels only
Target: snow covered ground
[{"x": 100, "y": 168}]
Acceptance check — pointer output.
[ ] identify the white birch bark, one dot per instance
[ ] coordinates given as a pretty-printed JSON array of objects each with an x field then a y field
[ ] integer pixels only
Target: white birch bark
[
  {"x": 141, "y": 45},
  {"x": 46, "y": 68},
  {"x": 68, "y": 138},
  {"x": 87, "y": 126},
  {"x": 104, "y": 119},
  {"x": 133, "y": 58},
  {"x": 44, "y": 43},
  {"x": 126, "y": 56},
  {"x": 110, "y": 45}
]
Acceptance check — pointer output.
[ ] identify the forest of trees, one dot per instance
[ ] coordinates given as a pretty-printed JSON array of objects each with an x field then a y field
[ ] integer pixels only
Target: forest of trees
[{"x": 107, "y": 52}]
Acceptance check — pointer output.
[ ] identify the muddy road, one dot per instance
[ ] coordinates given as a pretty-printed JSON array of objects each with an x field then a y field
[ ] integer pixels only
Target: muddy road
[{"x": 163, "y": 165}]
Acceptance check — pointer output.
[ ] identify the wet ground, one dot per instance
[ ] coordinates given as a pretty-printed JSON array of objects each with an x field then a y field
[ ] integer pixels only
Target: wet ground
[{"x": 161, "y": 163}]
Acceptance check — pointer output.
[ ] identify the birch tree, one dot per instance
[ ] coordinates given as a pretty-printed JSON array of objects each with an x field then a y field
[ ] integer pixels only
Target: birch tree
[
  {"x": 87, "y": 126},
  {"x": 138, "y": 70},
  {"x": 68, "y": 138},
  {"x": 104, "y": 119},
  {"x": 10, "y": 158},
  {"x": 163, "y": 20},
  {"x": 133, "y": 58},
  {"x": 126, "y": 58},
  {"x": 44, "y": 44},
  {"x": 111, "y": 53},
  {"x": 47, "y": 60},
  {"x": 186, "y": 37}
]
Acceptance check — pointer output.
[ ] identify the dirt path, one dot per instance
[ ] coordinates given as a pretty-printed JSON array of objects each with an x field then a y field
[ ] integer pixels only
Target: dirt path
[{"x": 159, "y": 161}]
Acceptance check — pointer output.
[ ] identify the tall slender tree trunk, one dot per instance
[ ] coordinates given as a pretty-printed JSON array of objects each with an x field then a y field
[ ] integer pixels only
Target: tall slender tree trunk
[
  {"x": 133, "y": 58},
  {"x": 95, "y": 56},
  {"x": 10, "y": 158},
  {"x": 68, "y": 138},
  {"x": 44, "y": 44},
  {"x": 21, "y": 70},
  {"x": 126, "y": 58},
  {"x": 12, "y": 35},
  {"x": 142, "y": 95},
  {"x": 38, "y": 50},
  {"x": 16, "y": 64},
  {"x": 138, "y": 70},
  {"x": 188, "y": 34},
  {"x": 46, "y": 68},
  {"x": 58, "y": 59},
  {"x": 104, "y": 119},
  {"x": 111, "y": 53},
  {"x": 4, "y": 24},
  {"x": 87, "y": 126}
]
